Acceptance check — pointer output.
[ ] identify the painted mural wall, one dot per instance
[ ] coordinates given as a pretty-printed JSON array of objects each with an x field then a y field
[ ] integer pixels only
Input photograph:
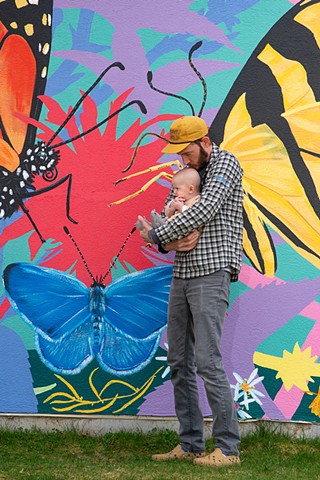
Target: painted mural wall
[{"x": 83, "y": 301}]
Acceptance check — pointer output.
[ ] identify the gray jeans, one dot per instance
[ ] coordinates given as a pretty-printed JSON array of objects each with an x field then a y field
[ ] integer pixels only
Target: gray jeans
[{"x": 197, "y": 308}]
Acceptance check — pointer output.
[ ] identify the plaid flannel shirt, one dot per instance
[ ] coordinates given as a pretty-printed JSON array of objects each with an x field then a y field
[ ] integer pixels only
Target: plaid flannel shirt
[{"x": 219, "y": 212}]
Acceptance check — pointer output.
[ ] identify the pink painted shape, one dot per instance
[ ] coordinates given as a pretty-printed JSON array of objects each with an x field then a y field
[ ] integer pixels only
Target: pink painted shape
[
  {"x": 312, "y": 311},
  {"x": 252, "y": 278},
  {"x": 288, "y": 402}
]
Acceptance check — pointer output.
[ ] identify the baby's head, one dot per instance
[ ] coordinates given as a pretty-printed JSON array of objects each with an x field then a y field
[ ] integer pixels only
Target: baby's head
[{"x": 186, "y": 183}]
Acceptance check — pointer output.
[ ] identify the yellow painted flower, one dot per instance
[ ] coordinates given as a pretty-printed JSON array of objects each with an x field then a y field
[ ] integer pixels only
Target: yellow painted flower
[{"x": 294, "y": 368}]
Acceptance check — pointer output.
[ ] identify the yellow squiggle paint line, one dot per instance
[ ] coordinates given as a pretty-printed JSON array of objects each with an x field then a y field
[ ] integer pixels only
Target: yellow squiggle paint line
[
  {"x": 101, "y": 409},
  {"x": 93, "y": 388},
  {"x": 82, "y": 402},
  {"x": 144, "y": 388},
  {"x": 120, "y": 382},
  {"x": 61, "y": 394},
  {"x": 67, "y": 409},
  {"x": 73, "y": 390}
]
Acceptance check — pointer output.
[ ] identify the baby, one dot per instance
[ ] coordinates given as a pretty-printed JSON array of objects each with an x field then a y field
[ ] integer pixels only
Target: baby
[{"x": 186, "y": 190}]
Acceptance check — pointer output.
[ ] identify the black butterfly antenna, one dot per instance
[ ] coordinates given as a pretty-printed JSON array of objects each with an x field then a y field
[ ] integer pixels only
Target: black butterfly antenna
[
  {"x": 79, "y": 251},
  {"x": 149, "y": 78},
  {"x": 118, "y": 254},
  {"x": 136, "y": 150},
  {"x": 101, "y": 279},
  {"x": 204, "y": 85},
  {"x": 81, "y": 99},
  {"x": 140, "y": 104},
  {"x": 195, "y": 47}
]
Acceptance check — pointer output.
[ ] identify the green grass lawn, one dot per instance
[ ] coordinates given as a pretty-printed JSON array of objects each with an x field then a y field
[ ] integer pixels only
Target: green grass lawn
[{"x": 126, "y": 456}]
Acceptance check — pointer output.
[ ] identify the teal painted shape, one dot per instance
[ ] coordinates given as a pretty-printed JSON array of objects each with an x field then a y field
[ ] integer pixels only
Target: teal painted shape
[{"x": 296, "y": 330}]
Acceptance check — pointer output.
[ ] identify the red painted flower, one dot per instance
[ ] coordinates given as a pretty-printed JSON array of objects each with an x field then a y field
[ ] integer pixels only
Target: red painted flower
[{"x": 96, "y": 161}]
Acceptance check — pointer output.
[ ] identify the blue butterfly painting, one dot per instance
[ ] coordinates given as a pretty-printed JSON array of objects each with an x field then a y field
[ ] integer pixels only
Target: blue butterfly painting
[{"x": 120, "y": 324}]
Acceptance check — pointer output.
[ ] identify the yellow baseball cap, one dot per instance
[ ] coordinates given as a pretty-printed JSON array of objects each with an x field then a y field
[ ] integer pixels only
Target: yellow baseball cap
[{"x": 183, "y": 131}]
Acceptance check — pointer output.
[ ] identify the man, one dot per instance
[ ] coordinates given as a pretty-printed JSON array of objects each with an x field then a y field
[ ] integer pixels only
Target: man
[{"x": 207, "y": 238}]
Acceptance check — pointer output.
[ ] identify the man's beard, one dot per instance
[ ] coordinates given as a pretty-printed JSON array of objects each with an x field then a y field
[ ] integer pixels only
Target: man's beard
[{"x": 203, "y": 158}]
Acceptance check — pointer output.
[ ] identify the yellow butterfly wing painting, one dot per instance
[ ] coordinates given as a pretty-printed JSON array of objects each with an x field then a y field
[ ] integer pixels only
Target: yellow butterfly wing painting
[{"x": 271, "y": 121}]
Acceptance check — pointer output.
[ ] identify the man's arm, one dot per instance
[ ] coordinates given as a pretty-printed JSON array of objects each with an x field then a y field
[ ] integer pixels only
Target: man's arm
[
  {"x": 183, "y": 245},
  {"x": 221, "y": 179}
]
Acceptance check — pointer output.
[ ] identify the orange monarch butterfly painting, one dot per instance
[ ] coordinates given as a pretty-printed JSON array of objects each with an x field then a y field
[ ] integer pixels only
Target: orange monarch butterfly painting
[{"x": 25, "y": 31}]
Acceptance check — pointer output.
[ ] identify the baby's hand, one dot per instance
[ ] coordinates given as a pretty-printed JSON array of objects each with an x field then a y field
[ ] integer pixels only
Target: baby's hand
[{"x": 177, "y": 204}]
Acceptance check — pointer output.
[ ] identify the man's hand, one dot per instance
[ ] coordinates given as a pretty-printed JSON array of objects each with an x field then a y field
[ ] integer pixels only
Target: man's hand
[
  {"x": 184, "y": 244},
  {"x": 146, "y": 227}
]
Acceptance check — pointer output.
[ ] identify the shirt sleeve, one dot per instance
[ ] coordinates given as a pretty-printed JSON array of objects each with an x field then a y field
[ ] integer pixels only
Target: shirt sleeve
[
  {"x": 169, "y": 199},
  {"x": 222, "y": 176}
]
